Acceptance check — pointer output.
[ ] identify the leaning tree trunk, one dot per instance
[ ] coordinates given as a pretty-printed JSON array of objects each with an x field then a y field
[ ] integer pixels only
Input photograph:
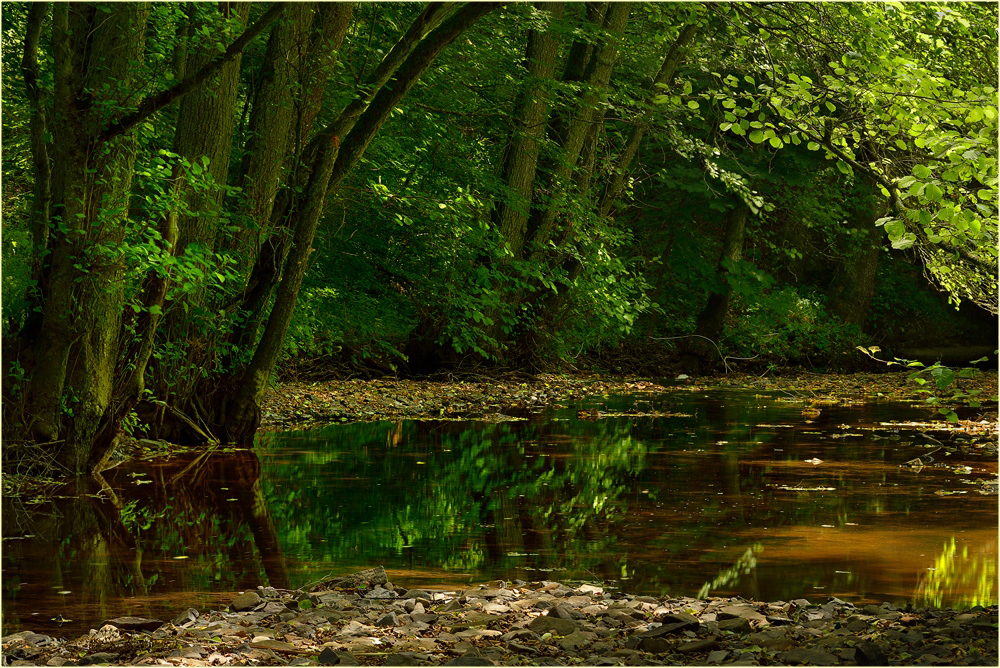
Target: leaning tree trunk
[
  {"x": 329, "y": 157},
  {"x": 701, "y": 348}
]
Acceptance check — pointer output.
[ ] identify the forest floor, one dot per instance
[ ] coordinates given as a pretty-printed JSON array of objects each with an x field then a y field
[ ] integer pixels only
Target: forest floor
[
  {"x": 305, "y": 404},
  {"x": 366, "y": 620}
]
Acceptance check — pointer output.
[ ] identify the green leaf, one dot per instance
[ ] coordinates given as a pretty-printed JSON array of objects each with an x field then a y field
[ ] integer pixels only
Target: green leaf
[
  {"x": 757, "y": 136},
  {"x": 843, "y": 167},
  {"x": 693, "y": 104},
  {"x": 933, "y": 192},
  {"x": 921, "y": 171}
]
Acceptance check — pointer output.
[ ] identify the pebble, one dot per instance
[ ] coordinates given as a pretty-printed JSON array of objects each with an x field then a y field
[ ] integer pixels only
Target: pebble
[{"x": 541, "y": 623}]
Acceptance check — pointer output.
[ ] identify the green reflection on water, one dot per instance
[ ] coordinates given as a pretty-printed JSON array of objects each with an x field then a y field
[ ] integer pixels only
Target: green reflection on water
[{"x": 966, "y": 580}]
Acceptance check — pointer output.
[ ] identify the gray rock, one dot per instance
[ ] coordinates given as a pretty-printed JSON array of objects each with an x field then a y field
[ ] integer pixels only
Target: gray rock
[
  {"x": 388, "y": 619},
  {"x": 696, "y": 646},
  {"x": 380, "y": 593},
  {"x": 668, "y": 629},
  {"x": 743, "y": 611},
  {"x": 98, "y": 658},
  {"x": 246, "y": 601},
  {"x": 186, "y": 617},
  {"x": 872, "y": 654},
  {"x": 770, "y": 638},
  {"x": 678, "y": 617},
  {"x": 560, "y": 612},
  {"x": 656, "y": 645},
  {"x": 192, "y": 652},
  {"x": 402, "y": 659},
  {"x": 718, "y": 656},
  {"x": 330, "y": 658},
  {"x": 135, "y": 623},
  {"x": 735, "y": 624},
  {"x": 808, "y": 657},
  {"x": 469, "y": 661},
  {"x": 426, "y": 618},
  {"x": 366, "y": 578},
  {"x": 574, "y": 641},
  {"x": 300, "y": 661},
  {"x": 554, "y": 625}
]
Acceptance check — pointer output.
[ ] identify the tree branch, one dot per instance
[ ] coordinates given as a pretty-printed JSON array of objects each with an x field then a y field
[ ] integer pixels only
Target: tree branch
[{"x": 154, "y": 103}]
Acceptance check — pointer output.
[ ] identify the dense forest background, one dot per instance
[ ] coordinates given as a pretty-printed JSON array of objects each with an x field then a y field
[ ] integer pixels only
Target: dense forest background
[{"x": 197, "y": 195}]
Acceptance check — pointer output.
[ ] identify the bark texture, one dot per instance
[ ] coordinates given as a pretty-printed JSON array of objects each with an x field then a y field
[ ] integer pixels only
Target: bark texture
[{"x": 74, "y": 355}]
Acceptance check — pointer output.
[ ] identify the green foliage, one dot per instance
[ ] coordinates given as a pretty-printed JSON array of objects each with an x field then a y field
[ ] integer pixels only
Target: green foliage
[{"x": 785, "y": 326}]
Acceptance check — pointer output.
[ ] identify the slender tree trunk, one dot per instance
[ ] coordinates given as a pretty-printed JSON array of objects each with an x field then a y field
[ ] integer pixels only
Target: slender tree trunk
[
  {"x": 41, "y": 194},
  {"x": 853, "y": 283},
  {"x": 699, "y": 350},
  {"x": 613, "y": 189},
  {"x": 542, "y": 221},
  {"x": 510, "y": 215}
]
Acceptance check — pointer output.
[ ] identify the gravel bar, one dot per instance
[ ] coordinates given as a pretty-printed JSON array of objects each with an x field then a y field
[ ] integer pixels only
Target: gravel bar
[{"x": 364, "y": 619}]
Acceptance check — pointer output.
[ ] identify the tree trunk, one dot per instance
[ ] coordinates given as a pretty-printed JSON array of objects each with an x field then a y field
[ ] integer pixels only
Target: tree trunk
[
  {"x": 854, "y": 281},
  {"x": 542, "y": 221},
  {"x": 74, "y": 356},
  {"x": 700, "y": 350},
  {"x": 510, "y": 215},
  {"x": 204, "y": 131},
  {"x": 41, "y": 194},
  {"x": 237, "y": 402}
]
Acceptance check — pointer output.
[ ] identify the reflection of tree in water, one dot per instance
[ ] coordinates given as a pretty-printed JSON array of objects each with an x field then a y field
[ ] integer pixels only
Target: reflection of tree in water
[
  {"x": 455, "y": 496},
  {"x": 114, "y": 546},
  {"x": 958, "y": 572},
  {"x": 79, "y": 550},
  {"x": 730, "y": 577}
]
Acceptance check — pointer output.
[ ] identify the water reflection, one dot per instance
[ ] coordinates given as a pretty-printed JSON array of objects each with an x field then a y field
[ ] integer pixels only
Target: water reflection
[{"x": 746, "y": 496}]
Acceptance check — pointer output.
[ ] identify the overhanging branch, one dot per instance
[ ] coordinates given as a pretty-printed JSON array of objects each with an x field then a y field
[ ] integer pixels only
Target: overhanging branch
[{"x": 153, "y": 103}]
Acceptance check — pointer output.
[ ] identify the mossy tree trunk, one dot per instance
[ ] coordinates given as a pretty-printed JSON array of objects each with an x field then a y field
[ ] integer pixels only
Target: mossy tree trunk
[{"x": 72, "y": 360}]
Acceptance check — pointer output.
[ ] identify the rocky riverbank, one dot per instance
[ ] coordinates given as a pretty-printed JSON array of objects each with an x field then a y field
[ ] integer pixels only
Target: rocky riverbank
[
  {"x": 365, "y": 620},
  {"x": 300, "y": 405}
]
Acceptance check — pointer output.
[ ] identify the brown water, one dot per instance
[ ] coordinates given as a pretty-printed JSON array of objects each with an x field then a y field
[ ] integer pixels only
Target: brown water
[{"x": 735, "y": 494}]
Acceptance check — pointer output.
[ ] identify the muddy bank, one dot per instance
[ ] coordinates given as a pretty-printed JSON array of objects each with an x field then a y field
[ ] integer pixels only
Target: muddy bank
[{"x": 366, "y": 620}]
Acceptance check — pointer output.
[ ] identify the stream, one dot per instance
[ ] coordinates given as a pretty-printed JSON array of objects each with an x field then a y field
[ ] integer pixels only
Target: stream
[{"x": 683, "y": 493}]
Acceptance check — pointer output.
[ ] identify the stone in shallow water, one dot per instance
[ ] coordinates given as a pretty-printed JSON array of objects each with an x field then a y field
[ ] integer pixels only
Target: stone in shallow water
[{"x": 185, "y": 617}]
